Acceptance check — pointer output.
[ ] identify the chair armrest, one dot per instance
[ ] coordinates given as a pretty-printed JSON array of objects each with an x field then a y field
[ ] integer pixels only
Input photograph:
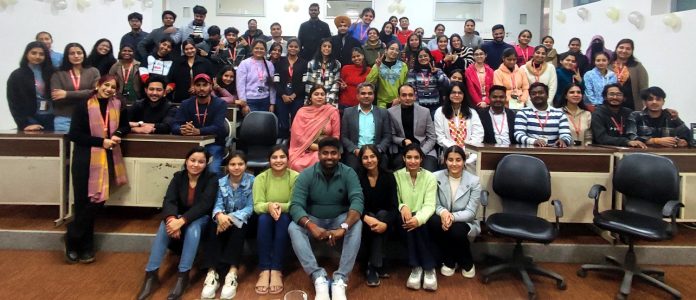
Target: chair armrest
[
  {"x": 671, "y": 209},
  {"x": 594, "y": 193},
  {"x": 558, "y": 210},
  {"x": 484, "y": 203}
]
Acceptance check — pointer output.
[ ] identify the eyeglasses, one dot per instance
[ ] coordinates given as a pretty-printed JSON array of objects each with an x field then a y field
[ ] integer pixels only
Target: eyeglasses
[{"x": 615, "y": 94}]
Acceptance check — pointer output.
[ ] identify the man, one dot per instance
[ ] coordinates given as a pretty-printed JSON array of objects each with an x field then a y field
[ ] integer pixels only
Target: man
[
  {"x": 342, "y": 44},
  {"x": 498, "y": 121},
  {"x": 411, "y": 123},
  {"x": 159, "y": 62},
  {"x": 494, "y": 49},
  {"x": 196, "y": 31},
  {"x": 234, "y": 51},
  {"x": 656, "y": 126},
  {"x": 133, "y": 38},
  {"x": 326, "y": 204},
  {"x": 150, "y": 43},
  {"x": 204, "y": 114},
  {"x": 253, "y": 33},
  {"x": 364, "y": 124},
  {"x": 210, "y": 46},
  {"x": 611, "y": 122},
  {"x": 312, "y": 32},
  {"x": 470, "y": 38},
  {"x": 155, "y": 113},
  {"x": 403, "y": 34},
  {"x": 541, "y": 125},
  {"x": 277, "y": 37},
  {"x": 47, "y": 39}
]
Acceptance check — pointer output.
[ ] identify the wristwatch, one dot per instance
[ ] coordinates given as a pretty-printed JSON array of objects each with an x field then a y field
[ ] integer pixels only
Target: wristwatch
[
  {"x": 140, "y": 123},
  {"x": 344, "y": 226}
]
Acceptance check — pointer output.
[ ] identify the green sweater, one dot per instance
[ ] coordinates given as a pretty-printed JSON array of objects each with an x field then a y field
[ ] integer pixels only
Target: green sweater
[
  {"x": 419, "y": 197},
  {"x": 268, "y": 188},
  {"x": 314, "y": 195},
  {"x": 388, "y": 79}
]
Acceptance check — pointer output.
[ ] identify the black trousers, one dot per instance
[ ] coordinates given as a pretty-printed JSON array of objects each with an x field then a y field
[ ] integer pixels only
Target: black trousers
[
  {"x": 420, "y": 253},
  {"x": 80, "y": 232},
  {"x": 453, "y": 244},
  {"x": 224, "y": 249},
  {"x": 374, "y": 243}
]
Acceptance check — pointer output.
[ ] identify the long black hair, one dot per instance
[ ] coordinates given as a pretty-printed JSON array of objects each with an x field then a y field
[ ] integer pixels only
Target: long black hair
[
  {"x": 564, "y": 97},
  {"x": 319, "y": 58},
  {"x": 232, "y": 88},
  {"x": 66, "y": 65},
  {"x": 102, "y": 62},
  {"x": 447, "y": 105},
  {"x": 360, "y": 50},
  {"x": 46, "y": 66}
]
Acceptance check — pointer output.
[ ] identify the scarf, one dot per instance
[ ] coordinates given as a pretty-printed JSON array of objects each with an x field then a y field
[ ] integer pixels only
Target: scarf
[
  {"x": 98, "y": 184},
  {"x": 534, "y": 71},
  {"x": 309, "y": 123}
]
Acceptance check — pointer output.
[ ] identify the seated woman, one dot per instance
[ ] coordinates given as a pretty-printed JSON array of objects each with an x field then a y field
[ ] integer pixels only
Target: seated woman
[
  {"x": 312, "y": 123},
  {"x": 224, "y": 239},
  {"x": 566, "y": 74},
  {"x": 272, "y": 191},
  {"x": 417, "y": 190},
  {"x": 428, "y": 81},
  {"x": 28, "y": 89},
  {"x": 596, "y": 79},
  {"x": 454, "y": 225},
  {"x": 186, "y": 209},
  {"x": 579, "y": 118},
  {"x": 513, "y": 79},
  {"x": 379, "y": 190},
  {"x": 456, "y": 123}
]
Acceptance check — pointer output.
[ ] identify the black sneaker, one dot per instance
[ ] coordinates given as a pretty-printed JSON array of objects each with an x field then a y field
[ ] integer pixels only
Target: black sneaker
[
  {"x": 382, "y": 272},
  {"x": 87, "y": 257},
  {"x": 71, "y": 257},
  {"x": 372, "y": 277}
]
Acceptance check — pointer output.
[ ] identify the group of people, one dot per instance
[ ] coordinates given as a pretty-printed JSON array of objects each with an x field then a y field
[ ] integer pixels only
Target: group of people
[{"x": 375, "y": 100}]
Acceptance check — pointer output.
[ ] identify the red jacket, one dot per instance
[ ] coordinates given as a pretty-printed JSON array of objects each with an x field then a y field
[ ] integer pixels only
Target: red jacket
[
  {"x": 474, "y": 87},
  {"x": 350, "y": 74}
]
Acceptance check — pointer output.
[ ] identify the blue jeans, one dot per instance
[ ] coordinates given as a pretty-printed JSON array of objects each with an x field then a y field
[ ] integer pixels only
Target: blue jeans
[
  {"x": 191, "y": 235},
  {"x": 61, "y": 123},
  {"x": 351, "y": 244},
  {"x": 272, "y": 238},
  {"x": 259, "y": 104},
  {"x": 216, "y": 152},
  {"x": 286, "y": 113}
]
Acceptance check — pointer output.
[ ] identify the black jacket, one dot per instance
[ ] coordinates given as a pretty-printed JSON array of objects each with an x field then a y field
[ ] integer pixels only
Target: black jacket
[
  {"x": 181, "y": 74},
  {"x": 488, "y": 131},
  {"x": 21, "y": 96},
  {"x": 605, "y": 132},
  {"x": 298, "y": 71},
  {"x": 341, "y": 51},
  {"x": 310, "y": 35},
  {"x": 161, "y": 114},
  {"x": 177, "y": 193}
]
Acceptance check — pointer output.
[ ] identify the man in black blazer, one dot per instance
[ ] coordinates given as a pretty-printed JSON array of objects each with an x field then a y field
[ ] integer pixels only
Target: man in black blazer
[
  {"x": 497, "y": 120},
  {"x": 343, "y": 43},
  {"x": 353, "y": 138}
]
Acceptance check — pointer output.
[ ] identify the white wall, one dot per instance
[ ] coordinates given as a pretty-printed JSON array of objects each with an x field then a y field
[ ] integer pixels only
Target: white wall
[{"x": 664, "y": 52}]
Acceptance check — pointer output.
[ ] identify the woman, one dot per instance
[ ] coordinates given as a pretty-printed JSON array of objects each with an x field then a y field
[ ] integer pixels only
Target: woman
[
  {"x": 225, "y": 87},
  {"x": 457, "y": 75},
  {"x": 28, "y": 89},
  {"x": 416, "y": 191},
  {"x": 186, "y": 209},
  {"x": 395, "y": 24},
  {"x": 272, "y": 191},
  {"x": 524, "y": 51},
  {"x": 351, "y": 76},
  {"x": 380, "y": 213},
  {"x": 479, "y": 79},
  {"x": 513, "y": 79},
  {"x": 538, "y": 70},
  {"x": 373, "y": 47},
  {"x": 574, "y": 49},
  {"x": 410, "y": 53},
  {"x": 630, "y": 74},
  {"x": 102, "y": 56},
  {"x": 389, "y": 73},
  {"x": 441, "y": 51},
  {"x": 596, "y": 79},
  {"x": 290, "y": 87},
  {"x": 324, "y": 70},
  {"x": 579, "y": 118},
  {"x": 71, "y": 85},
  {"x": 127, "y": 74},
  {"x": 312, "y": 123},
  {"x": 551, "y": 54},
  {"x": 427, "y": 80},
  {"x": 274, "y": 53},
  {"x": 254, "y": 80},
  {"x": 596, "y": 46},
  {"x": 439, "y": 31},
  {"x": 455, "y": 122},
  {"x": 96, "y": 131},
  {"x": 460, "y": 57},
  {"x": 224, "y": 240},
  {"x": 565, "y": 75},
  {"x": 184, "y": 69},
  {"x": 454, "y": 225},
  {"x": 388, "y": 33},
  {"x": 358, "y": 30}
]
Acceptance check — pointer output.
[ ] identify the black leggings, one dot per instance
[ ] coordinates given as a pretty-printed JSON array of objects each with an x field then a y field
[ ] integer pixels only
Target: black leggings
[{"x": 453, "y": 243}]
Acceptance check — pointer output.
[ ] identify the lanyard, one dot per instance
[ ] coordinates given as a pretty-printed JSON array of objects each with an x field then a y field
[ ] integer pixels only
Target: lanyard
[
  {"x": 126, "y": 73},
  {"x": 361, "y": 32},
  {"x": 495, "y": 124},
  {"x": 577, "y": 126},
  {"x": 106, "y": 121},
  {"x": 619, "y": 126},
  {"x": 75, "y": 80},
  {"x": 290, "y": 69},
  {"x": 546, "y": 120},
  {"x": 232, "y": 52},
  {"x": 259, "y": 70},
  {"x": 619, "y": 71},
  {"x": 525, "y": 55},
  {"x": 512, "y": 81},
  {"x": 205, "y": 114}
]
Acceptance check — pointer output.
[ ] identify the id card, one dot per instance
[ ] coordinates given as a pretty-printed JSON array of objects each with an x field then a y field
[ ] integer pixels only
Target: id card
[{"x": 43, "y": 105}]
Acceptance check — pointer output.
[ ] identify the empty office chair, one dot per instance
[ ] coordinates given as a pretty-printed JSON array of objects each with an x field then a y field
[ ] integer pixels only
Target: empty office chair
[
  {"x": 522, "y": 182},
  {"x": 649, "y": 184},
  {"x": 257, "y": 135}
]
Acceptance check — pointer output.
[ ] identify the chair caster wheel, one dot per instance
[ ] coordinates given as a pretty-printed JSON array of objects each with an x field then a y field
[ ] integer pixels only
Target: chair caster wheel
[
  {"x": 531, "y": 296},
  {"x": 581, "y": 273},
  {"x": 620, "y": 296},
  {"x": 561, "y": 285}
]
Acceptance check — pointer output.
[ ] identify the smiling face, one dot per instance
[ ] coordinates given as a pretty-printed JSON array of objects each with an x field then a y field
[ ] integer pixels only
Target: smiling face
[
  {"x": 190, "y": 50},
  {"x": 357, "y": 58},
  {"x": 388, "y": 29},
  {"x": 36, "y": 56},
  {"x": 456, "y": 95},
  {"x": 614, "y": 97},
  {"x": 328, "y": 157},
  {"x": 548, "y": 43},
  {"x": 498, "y": 35},
  {"x": 479, "y": 56},
  {"x": 154, "y": 91},
  {"x": 236, "y": 167},
  {"x": 404, "y": 24},
  {"x": 228, "y": 77},
  {"x": 259, "y": 51},
  {"x": 455, "y": 164},
  {"x": 106, "y": 89},
  {"x": 413, "y": 42},
  {"x": 369, "y": 160},
  {"x": 654, "y": 103},
  {"x": 392, "y": 52},
  {"x": 624, "y": 51},
  {"x": 279, "y": 161},
  {"x": 293, "y": 48},
  {"x": 413, "y": 160},
  {"x": 539, "y": 55},
  {"x": 126, "y": 53},
  {"x": 276, "y": 31},
  {"x": 498, "y": 99},
  {"x": 524, "y": 38},
  {"x": 574, "y": 46},
  {"x": 423, "y": 58},
  {"x": 366, "y": 96},
  {"x": 457, "y": 76},
  {"x": 372, "y": 35},
  {"x": 442, "y": 43},
  {"x": 198, "y": 19},
  {"x": 368, "y": 17},
  {"x": 601, "y": 61},
  {"x": 568, "y": 63},
  {"x": 165, "y": 47},
  {"x": 326, "y": 48},
  {"x": 196, "y": 163},
  {"x": 574, "y": 95},
  {"x": 439, "y": 30},
  {"x": 275, "y": 52},
  {"x": 231, "y": 37},
  {"x": 103, "y": 48},
  {"x": 456, "y": 42},
  {"x": 76, "y": 56},
  {"x": 407, "y": 95}
]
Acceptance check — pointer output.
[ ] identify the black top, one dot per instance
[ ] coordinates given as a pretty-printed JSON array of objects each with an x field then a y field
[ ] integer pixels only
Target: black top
[
  {"x": 342, "y": 48},
  {"x": 627, "y": 90},
  {"x": 609, "y": 128},
  {"x": 310, "y": 35},
  {"x": 580, "y": 59},
  {"x": 161, "y": 113},
  {"x": 174, "y": 203},
  {"x": 407, "y": 122},
  {"x": 79, "y": 126},
  {"x": 488, "y": 130},
  {"x": 21, "y": 96},
  {"x": 382, "y": 196},
  {"x": 298, "y": 70},
  {"x": 181, "y": 74}
]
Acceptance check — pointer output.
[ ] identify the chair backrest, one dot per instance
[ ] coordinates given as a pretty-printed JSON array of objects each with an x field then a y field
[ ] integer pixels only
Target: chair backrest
[
  {"x": 259, "y": 128},
  {"x": 522, "y": 182},
  {"x": 647, "y": 181}
]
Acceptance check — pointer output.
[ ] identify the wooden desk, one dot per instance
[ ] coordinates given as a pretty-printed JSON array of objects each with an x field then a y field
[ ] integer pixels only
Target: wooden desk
[
  {"x": 34, "y": 169},
  {"x": 573, "y": 172}
]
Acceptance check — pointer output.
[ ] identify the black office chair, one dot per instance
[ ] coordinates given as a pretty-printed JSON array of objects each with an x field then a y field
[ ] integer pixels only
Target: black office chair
[
  {"x": 257, "y": 135},
  {"x": 522, "y": 182},
  {"x": 648, "y": 182}
]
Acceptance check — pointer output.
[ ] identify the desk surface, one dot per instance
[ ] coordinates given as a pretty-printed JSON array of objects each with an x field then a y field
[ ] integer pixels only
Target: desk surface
[
  {"x": 524, "y": 149},
  {"x": 31, "y": 134},
  {"x": 572, "y": 159},
  {"x": 659, "y": 150}
]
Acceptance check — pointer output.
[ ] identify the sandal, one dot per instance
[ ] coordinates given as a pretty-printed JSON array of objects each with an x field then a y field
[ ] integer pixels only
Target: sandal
[
  {"x": 262, "y": 284},
  {"x": 276, "y": 284}
]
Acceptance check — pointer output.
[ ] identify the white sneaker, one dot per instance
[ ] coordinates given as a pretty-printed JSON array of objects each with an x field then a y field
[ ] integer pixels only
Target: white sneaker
[
  {"x": 210, "y": 285},
  {"x": 470, "y": 273},
  {"x": 430, "y": 280},
  {"x": 447, "y": 271},
  {"x": 321, "y": 287},
  {"x": 414, "y": 280},
  {"x": 229, "y": 289},
  {"x": 338, "y": 290}
]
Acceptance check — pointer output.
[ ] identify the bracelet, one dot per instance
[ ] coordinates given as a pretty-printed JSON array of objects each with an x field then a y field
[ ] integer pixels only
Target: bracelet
[{"x": 305, "y": 223}]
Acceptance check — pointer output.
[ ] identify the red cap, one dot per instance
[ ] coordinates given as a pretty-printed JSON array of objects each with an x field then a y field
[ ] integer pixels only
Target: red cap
[{"x": 202, "y": 76}]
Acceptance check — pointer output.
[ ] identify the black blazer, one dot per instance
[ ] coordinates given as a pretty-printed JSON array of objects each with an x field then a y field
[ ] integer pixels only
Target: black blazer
[
  {"x": 21, "y": 96},
  {"x": 298, "y": 71},
  {"x": 343, "y": 52},
  {"x": 488, "y": 131},
  {"x": 350, "y": 128},
  {"x": 177, "y": 193}
]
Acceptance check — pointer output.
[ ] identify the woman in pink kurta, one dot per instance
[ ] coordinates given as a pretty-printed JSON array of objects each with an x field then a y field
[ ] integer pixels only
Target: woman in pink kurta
[{"x": 311, "y": 124}]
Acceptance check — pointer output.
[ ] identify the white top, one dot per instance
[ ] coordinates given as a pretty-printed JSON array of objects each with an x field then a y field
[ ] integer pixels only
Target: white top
[
  {"x": 500, "y": 128},
  {"x": 474, "y": 129}
]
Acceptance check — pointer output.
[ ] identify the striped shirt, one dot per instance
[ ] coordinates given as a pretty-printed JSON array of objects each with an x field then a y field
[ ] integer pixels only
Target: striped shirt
[{"x": 550, "y": 124}]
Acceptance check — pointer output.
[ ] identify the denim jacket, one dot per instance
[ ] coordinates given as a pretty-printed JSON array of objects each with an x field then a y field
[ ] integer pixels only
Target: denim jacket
[{"x": 237, "y": 203}]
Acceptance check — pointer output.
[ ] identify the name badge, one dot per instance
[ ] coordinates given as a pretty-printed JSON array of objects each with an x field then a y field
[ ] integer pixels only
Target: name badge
[{"x": 43, "y": 105}]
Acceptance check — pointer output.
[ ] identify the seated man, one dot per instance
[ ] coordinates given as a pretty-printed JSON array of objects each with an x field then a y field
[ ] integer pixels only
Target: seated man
[
  {"x": 611, "y": 122},
  {"x": 364, "y": 124},
  {"x": 655, "y": 125},
  {"x": 541, "y": 125},
  {"x": 155, "y": 113},
  {"x": 498, "y": 121},
  {"x": 411, "y": 123},
  {"x": 326, "y": 204},
  {"x": 204, "y": 114}
]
